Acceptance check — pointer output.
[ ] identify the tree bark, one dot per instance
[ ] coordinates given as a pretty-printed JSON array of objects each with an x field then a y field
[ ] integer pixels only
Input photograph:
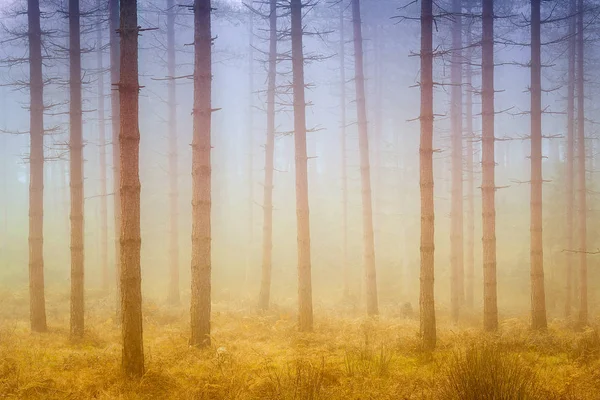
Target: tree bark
[
  {"x": 76, "y": 172},
  {"x": 173, "y": 296},
  {"x": 305, "y": 306},
  {"x": 37, "y": 302},
  {"x": 201, "y": 177},
  {"x": 456, "y": 215},
  {"x": 129, "y": 143},
  {"x": 470, "y": 215},
  {"x": 344, "y": 151},
  {"x": 583, "y": 296},
  {"x": 115, "y": 71},
  {"x": 250, "y": 149},
  {"x": 365, "y": 169},
  {"x": 570, "y": 172},
  {"x": 538, "y": 297},
  {"x": 426, "y": 299},
  {"x": 267, "y": 246},
  {"x": 102, "y": 155},
  {"x": 488, "y": 184}
]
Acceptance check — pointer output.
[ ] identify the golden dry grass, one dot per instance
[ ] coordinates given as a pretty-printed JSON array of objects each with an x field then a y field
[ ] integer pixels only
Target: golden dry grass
[{"x": 261, "y": 356}]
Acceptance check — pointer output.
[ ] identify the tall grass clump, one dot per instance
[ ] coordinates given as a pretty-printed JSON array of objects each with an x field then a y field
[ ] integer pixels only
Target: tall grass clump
[{"x": 484, "y": 371}]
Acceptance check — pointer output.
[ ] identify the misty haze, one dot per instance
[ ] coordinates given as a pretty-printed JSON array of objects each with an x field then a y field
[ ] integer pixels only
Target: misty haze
[{"x": 299, "y": 199}]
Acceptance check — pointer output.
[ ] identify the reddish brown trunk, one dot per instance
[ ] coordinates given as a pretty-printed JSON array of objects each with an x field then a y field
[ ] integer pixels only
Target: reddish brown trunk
[
  {"x": 201, "y": 177},
  {"x": 583, "y": 300},
  {"x": 305, "y": 306},
  {"x": 129, "y": 143},
  {"x": 344, "y": 151},
  {"x": 426, "y": 299},
  {"x": 76, "y": 172},
  {"x": 37, "y": 302},
  {"x": 538, "y": 297}
]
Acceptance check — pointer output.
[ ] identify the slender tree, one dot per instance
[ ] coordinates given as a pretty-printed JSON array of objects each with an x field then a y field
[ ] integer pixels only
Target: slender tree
[
  {"x": 37, "y": 302},
  {"x": 102, "y": 154},
  {"x": 538, "y": 298},
  {"x": 250, "y": 149},
  {"x": 173, "y": 296},
  {"x": 76, "y": 171},
  {"x": 488, "y": 184},
  {"x": 470, "y": 214},
  {"x": 426, "y": 299},
  {"x": 570, "y": 172},
  {"x": 456, "y": 215},
  {"x": 365, "y": 170},
  {"x": 305, "y": 314},
  {"x": 129, "y": 144},
  {"x": 344, "y": 150},
  {"x": 115, "y": 71},
  {"x": 201, "y": 177},
  {"x": 267, "y": 245},
  {"x": 581, "y": 173}
]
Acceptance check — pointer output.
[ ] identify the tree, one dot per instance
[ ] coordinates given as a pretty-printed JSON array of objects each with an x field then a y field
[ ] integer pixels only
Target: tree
[
  {"x": 538, "y": 298},
  {"x": 267, "y": 245},
  {"x": 129, "y": 146},
  {"x": 305, "y": 306},
  {"x": 344, "y": 150},
  {"x": 488, "y": 184},
  {"x": 456, "y": 215},
  {"x": 102, "y": 154},
  {"x": 365, "y": 170},
  {"x": 76, "y": 171},
  {"x": 173, "y": 296},
  {"x": 201, "y": 177},
  {"x": 570, "y": 172},
  {"x": 426, "y": 299},
  {"x": 250, "y": 155},
  {"x": 37, "y": 302},
  {"x": 583, "y": 306},
  {"x": 115, "y": 71}
]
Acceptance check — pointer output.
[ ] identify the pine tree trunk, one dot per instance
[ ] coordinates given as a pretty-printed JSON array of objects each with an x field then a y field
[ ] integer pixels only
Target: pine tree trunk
[
  {"x": 305, "y": 312},
  {"x": 344, "y": 151},
  {"x": 129, "y": 143},
  {"x": 102, "y": 156},
  {"x": 570, "y": 173},
  {"x": 426, "y": 300},
  {"x": 115, "y": 71},
  {"x": 201, "y": 177},
  {"x": 267, "y": 245},
  {"x": 488, "y": 183},
  {"x": 37, "y": 302},
  {"x": 173, "y": 296},
  {"x": 470, "y": 220},
  {"x": 250, "y": 155},
  {"x": 583, "y": 296},
  {"x": 538, "y": 298},
  {"x": 456, "y": 231},
  {"x": 76, "y": 172},
  {"x": 365, "y": 170}
]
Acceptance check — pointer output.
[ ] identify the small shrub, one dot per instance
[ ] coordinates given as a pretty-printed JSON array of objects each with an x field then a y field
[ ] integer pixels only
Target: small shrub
[{"x": 485, "y": 372}]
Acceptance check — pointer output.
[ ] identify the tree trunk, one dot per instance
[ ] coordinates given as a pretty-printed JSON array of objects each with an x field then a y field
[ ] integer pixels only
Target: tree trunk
[
  {"x": 344, "y": 150},
  {"x": 173, "y": 296},
  {"x": 267, "y": 246},
  {"x": 115, "y": 71},
  {"x": 129, "y": 143},
  {"x": 102, "y": 156},
  {"x": 583, "y": 305},
  {"x": 365, "y": 170},
  {"x": 470, "y": 220},
  {"x": 426, "y": 300},
  {"x": 488, "y": 183},
  {"x": 570, "y": 173},
  {"x": 305, "y": 306},
  {"x": 201, "y": 177},
  {"x": 250, "y": 149},
  {"x": 538, "y": 298},
  {"x": 37, "y": 302},
  {"x": 76, "y": 172},
  {"x": 456, "y": 214}
]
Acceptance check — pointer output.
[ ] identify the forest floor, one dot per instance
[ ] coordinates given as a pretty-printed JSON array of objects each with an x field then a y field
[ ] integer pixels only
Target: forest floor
[{"x": 261, "y": 356}]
